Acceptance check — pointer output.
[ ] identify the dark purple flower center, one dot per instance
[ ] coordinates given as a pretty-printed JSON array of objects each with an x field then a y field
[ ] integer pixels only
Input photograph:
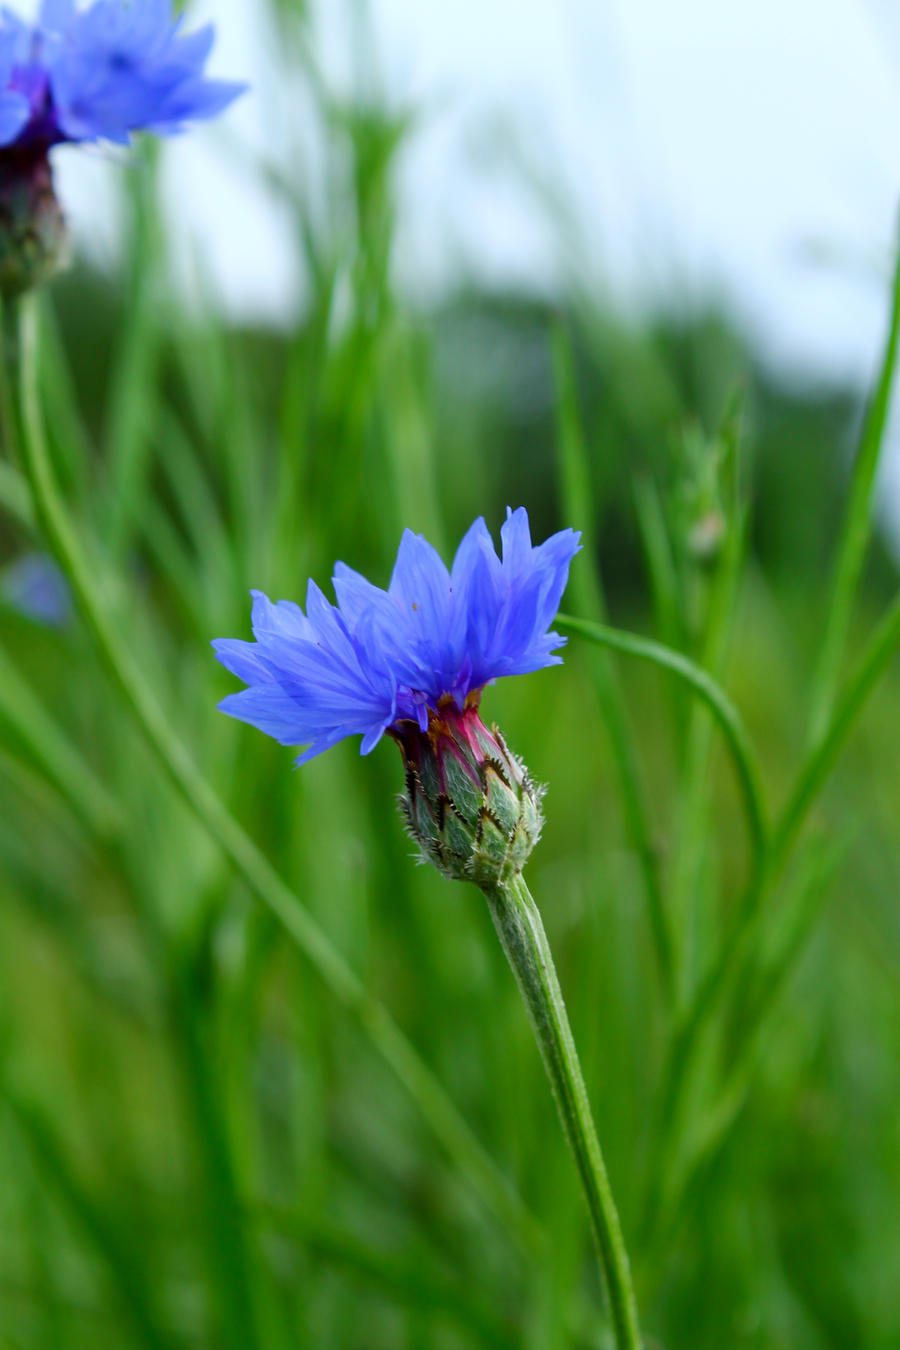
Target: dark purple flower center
[
  {"x": 41, "y": 130},
  {"x": 452, "y": 731}
]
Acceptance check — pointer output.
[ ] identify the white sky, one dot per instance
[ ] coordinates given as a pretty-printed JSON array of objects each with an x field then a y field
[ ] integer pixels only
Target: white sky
[
  {"x": 745, "y": 150},
  {"x": 706, "y": 144}
]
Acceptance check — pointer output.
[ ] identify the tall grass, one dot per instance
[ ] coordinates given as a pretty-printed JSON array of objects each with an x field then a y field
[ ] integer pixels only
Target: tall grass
[{"x": 263, "y": 1083}]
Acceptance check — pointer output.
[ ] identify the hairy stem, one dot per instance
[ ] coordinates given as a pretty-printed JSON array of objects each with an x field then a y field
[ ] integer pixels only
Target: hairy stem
[{"x": 521, "y": 932}]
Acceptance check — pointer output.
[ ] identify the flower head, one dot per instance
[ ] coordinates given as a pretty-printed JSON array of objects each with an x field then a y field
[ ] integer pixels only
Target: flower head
[
  {"x": 384, "y": 660},
  {"x": 101, "y": 73}
]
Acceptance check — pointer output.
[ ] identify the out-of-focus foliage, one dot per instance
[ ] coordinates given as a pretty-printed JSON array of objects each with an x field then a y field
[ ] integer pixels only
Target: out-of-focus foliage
[{"x": 198, "y": 1146}]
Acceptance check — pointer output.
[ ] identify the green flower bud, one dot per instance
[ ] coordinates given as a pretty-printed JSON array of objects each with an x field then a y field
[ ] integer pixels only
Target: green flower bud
[
  {"x": 32, "y": 228},
  {"x": 469, "y": 803}
]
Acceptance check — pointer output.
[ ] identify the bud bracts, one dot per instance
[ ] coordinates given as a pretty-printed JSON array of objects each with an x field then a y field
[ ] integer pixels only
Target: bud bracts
[
  {"x": 469, "y": 803},
  {"x": 32, "y": 229}
]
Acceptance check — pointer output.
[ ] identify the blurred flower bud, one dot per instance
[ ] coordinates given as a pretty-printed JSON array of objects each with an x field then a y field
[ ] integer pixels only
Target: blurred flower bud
[
  {"x": 469, "y": 803},
  {"x": 32, "y": 228},
  {"x": 705, "y": 494},
  {"x": 706, "y": 535}
]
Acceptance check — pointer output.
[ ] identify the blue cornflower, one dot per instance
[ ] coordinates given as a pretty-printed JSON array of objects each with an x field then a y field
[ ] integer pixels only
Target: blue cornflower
[
  {"x": 101, "y": 73},
  {"x": 395, "y": 660},
  {"x": 35, "y": 586}
]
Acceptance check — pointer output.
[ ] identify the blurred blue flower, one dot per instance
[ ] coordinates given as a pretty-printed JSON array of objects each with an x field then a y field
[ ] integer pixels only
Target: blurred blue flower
[
  {"x": 379, "y": 658},
  {"x": 102, "y": 73},
  {"x": 35, "y": 586}
]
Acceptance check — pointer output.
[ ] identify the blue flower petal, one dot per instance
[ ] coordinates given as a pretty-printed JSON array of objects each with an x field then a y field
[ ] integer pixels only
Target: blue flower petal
[
  {"x": 371, "y": 738},
  {"x": 15, "y": 110},
  {"x": 515, "y": 538},
  {"x": 285, "y": 619},
  {"x": 105, "y": 72},
  {"x": 271, "y": 709},
  {"x": 380, "y": 657},
  {"x": 56, "y": 14},
  {"x": 243, "y": 660}
]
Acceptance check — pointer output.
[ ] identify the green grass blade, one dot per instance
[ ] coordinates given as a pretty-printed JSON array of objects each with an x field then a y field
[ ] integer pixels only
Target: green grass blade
[
  {"x": 661, "y": 570},
  {"x": 106, "y": 1237},
  {"x": 50, "y": 749},
  {"x": 129, "y": 419},
  {"x": 718, "y": 1121},
  {"x": 226, "y": 1246},
  {"x": 857, "y": 527},
  {"x": 693, "y": 834},
  {"x": 744, "y": 934},
  {"x": 14, "y": 496},
  {"x": 878, "y": 653},
  {"x": 419, "y": 1283}
]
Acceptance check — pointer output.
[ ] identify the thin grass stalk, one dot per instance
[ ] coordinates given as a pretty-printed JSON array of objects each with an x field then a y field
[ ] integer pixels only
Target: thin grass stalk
[
  {"x": 587, "y": 590},
  {"x": 226, "y": 1246},
  {"x": 878, "y": 653},
  {"x": 741, "y": 1055},
  {"x": 135, "y": 1297},
  {"x": 129, "y": 423},
  {"x": 740, "y": 747},
  {"x": 660, "y": 563},
  {"x": 58, "y": 759},
  {"x": 692, "y": 836},
  {"x": 671, "y": 626},
  {"x": 857, "y": 528},
  {"x": 740, "y": 941}
]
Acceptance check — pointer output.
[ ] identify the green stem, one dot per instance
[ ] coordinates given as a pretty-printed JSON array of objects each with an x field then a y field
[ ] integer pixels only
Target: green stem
[
  {"x": 857, "y": 526},
  {"x": 729, "y": 720},
  {"x": 521, "y": 932},
  {"x": 23, "y": 430},
  {"x": 689, "y": 898}
]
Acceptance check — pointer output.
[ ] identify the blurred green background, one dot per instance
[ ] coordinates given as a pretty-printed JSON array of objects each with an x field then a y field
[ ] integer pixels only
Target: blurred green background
[{"x": 199, "y": 1145}]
